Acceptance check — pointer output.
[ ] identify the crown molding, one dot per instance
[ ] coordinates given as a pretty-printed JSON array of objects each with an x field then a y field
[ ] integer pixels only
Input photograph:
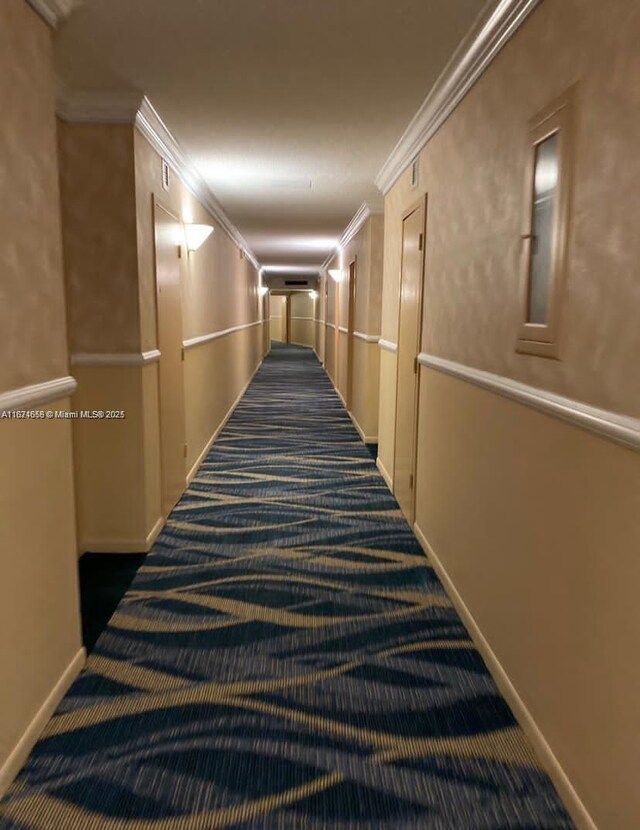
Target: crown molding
[
  {"x": 619, "y": 428},
  {"x": 151, "y": 125},
  {"x": 476, "y": 52},
  {"x": 100, "y": 107},
  {"x": 28, "y": 397},
  {"x": 53, "y": 11},
  {"x": 366, "y": 209}
]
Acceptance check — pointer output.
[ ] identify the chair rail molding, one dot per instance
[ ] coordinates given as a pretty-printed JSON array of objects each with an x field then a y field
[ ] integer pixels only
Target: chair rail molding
[
  {"x": 123, "y": 359},
  {"x": 53, "y": 11},
  {"x": 37, "y": 394},
  {"x": 482, "y": 44},
  {"x": 622, "y": 429},
  {"x": 368, "y": 338},
  {"x": 207, "y": 338},
  {"x": 131, "y": 107},
  {"x": 388, "y": 345}
]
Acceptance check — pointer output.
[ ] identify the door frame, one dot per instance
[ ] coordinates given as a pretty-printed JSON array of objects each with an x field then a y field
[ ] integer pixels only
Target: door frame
[
  {"x": 155, "y": 204},
  {"x": 421, "y": 202},
  {"x": 351, "y": 307}
]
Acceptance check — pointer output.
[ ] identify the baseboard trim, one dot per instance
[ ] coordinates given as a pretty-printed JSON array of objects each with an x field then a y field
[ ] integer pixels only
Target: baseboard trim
[
  {"x": 367, "y": 439},
  {"x": 196, "y": 466},
  {"x": 385, "y": 475},
  {"x": 20, "y": 752},
  {"x": 565, "y": 789}
]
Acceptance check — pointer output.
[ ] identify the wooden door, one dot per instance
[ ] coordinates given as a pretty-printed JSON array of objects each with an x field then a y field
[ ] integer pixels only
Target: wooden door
[
  {"x": 171, "y": 381},
  {"x": 409, "y": 336},
  {"x": 353, "y": 273}
]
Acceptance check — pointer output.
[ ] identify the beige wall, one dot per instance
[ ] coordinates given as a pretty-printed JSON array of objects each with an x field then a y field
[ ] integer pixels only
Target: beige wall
[
  {"x": 278, "y": 317},
  {"x": 40, "y": 646},
  {"x": 533, "y": 519},
  {"x": 111, "y": 175},
  {"x": 302, "y": 313},
  {"x": 366, "y": 248}
]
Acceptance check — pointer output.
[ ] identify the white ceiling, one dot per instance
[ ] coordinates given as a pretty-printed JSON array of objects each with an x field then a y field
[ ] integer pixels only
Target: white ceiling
[{"x": 288, "y": 108}]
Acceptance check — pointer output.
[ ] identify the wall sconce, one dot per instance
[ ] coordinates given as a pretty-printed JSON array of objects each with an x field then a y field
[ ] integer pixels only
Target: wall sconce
[
  {"x": 335, "y": 274},
  {"x": 196, "y": 235},
  {"x": 263, "y": 289},
  {"x": 313, "y": 294}
]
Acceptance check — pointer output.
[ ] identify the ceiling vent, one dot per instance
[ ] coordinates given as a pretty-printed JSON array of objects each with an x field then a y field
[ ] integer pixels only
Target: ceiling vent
[{"x": 296, "y": 282}]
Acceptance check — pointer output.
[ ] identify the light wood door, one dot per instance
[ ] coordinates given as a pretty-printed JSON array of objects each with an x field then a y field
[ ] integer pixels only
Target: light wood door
[
  {"x": 353, "y": 275},
  {"x": 169, "y": 318},
  {"x": 409, "y": 331}
]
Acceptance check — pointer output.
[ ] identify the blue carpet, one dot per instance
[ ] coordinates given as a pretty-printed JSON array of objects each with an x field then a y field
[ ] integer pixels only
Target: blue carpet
[{"x": 284, "y": 658}]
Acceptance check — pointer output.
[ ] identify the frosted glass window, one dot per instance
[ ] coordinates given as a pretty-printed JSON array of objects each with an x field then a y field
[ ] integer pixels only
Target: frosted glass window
[{"x": 545, "y": 191}]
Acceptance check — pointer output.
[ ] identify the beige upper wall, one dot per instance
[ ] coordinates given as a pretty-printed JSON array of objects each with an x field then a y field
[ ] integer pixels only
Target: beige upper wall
[
  {"x": 32, "y": 309},
  {"x": 99, "y": 233},
  {"x": 473, "y": 170},
  {"x": 219, "y": 286}
]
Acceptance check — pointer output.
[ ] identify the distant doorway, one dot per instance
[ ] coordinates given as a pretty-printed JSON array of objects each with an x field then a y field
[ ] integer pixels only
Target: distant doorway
[
  {"x": 171, "y": 382},
  {"x": 351, "y": 310}
]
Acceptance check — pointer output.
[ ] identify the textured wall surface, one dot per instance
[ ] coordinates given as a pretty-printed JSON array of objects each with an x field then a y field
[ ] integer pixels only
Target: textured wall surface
[
  {"x": 39, "y": 611},
  {"x": 473, "y": 170},
  {"x": 99, "y": 234},
  {"x": 32, "y": 310}
]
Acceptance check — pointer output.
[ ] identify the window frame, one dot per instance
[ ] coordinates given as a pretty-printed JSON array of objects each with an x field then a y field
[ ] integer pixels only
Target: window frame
[{"x": 555, "y": 119}]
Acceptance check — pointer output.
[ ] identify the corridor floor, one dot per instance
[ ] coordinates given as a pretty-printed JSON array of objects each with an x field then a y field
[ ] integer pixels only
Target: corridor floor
[{"x": 284, "y": 658}]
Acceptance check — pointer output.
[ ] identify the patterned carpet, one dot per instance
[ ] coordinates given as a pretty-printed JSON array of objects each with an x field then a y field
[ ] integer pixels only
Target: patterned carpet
[{"x": 285, "y": 658}]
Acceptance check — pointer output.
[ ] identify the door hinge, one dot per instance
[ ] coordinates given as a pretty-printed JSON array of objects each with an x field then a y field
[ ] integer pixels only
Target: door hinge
[
  {"x": 411, "y": 481},
  {"x": 420, "y": 241},
  {"x": 185, "y": 450}
]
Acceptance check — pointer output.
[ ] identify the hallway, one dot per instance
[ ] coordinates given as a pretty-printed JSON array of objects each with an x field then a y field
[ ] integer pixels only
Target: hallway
[{"x": 284, "y": 658}]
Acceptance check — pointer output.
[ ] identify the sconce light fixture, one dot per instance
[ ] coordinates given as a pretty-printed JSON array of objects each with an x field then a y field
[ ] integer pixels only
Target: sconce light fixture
[
  {"x": 263, "y": 289},
  {"x": 335, "y": 274},
  {"x": 196, "y": 235},
  {"x": 313, "y": 294}
]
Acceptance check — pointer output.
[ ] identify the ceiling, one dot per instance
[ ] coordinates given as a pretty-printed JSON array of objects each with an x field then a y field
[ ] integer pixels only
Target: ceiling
[{"x": 288, "y": 108}]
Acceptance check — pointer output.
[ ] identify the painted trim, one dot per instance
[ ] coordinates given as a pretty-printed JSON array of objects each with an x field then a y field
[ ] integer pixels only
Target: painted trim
[
  {"x": 134, "y": 545},
  {"x": 28, "y": 397},
  {"x": 82, "y": 106},
  {"x": 303, "y": 318},
  {"x": 368, "y": 338},
  {"x": 524, "y": 717},
  {"x": 385, "y": 475},
  {"x": 387, "y": 345},
  {"x": 366, "y": 210},
  {"x": 478, "y": 49},
  {"x": 19, "y": 754},
  {"x": 52, "y": 11},
  {"x": 124, "y": 359},
  {"x": 343, "y": 330},
  {"x": 207, "y": 338},
  {"x": 196, "y": 466},
  {"x": 330, "y": 325},
  {"x": 366, "y": 439},
  {"x": 619, "y": 428}
]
